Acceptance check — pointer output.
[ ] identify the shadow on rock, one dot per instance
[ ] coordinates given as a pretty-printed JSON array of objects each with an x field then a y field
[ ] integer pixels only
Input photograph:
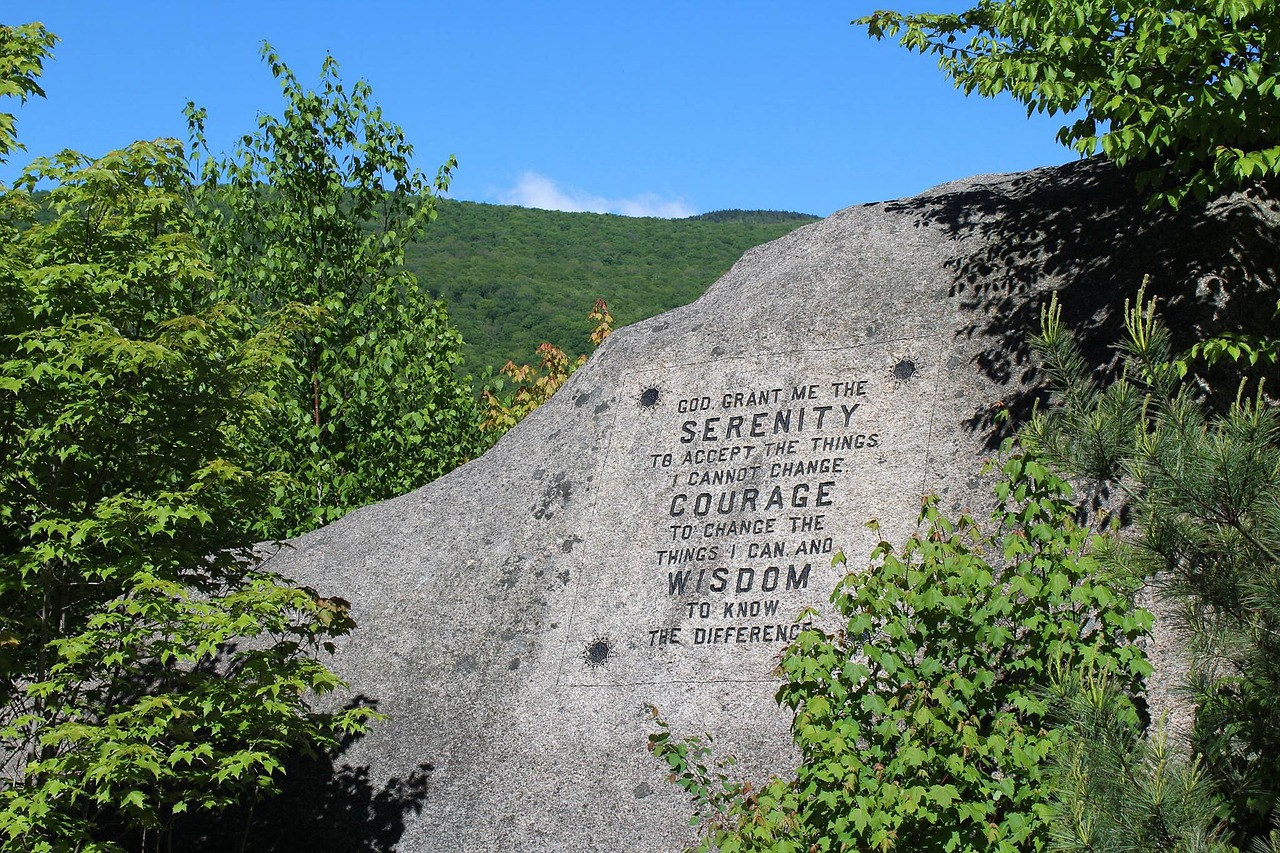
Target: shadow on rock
[
  {"x": 1081, "y": 229},
  {"x": 325, "y": 806}
]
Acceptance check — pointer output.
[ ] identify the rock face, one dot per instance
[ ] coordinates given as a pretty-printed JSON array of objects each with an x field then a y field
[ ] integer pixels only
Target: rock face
[{"x": 648, "y": 537}]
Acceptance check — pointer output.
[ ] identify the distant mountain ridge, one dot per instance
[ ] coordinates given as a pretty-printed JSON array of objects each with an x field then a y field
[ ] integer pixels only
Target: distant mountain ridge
[
  {"x": 756, "y": 216},
  {"x": 515, "y": 277}
]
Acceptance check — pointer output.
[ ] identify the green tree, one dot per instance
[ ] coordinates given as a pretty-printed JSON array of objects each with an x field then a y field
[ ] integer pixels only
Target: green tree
[
  {"x": 150, "y": 667},
  {"x": 315, "y": 209},
  {"x": 22, "y": 53},
  {"x": 922, "y": 723},
  {"x": 1203, "y": 492},
  {"x": 1186, "y": 93},
  {"x": 1115, "y": 788}
]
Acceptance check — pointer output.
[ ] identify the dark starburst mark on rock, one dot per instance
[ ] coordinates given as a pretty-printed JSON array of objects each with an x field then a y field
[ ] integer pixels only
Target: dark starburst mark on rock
[
  {"x": 904, "y": 370},
  {"x": 649, "y": 397},
  {"x": 597, "y": 652}
]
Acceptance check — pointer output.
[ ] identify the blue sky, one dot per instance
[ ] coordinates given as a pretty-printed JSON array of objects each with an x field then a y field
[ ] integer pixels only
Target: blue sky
[{"x": 641, "y": 108}]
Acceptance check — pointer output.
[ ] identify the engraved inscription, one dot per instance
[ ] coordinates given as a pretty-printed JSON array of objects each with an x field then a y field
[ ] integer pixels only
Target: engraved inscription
[
  {"x": 753, "y": 476},
  {"x": 724, "y": 493}
]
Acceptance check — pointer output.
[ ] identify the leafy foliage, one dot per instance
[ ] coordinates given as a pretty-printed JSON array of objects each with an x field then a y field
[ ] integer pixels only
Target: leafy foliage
[
  {"x": 1239, "y": 348},
  {"x": 696, "y": 770},
  {"x": 23, "y": 50},
  {"x": 1203, "y": 493},
  {"x": 186, "y": 721},
  {"x": 315, "y": 209},
  {"x": 1186, "y": 93},
  {"x": 125, "y": 570},
  {"x": 922, "y": 724},
  {"x": 534, "y": 384}
]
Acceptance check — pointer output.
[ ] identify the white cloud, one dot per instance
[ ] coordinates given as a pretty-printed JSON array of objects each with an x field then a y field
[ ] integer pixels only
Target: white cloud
[
  {"x": 649, "y": 204},
  {"x": 534, "y": 190}
]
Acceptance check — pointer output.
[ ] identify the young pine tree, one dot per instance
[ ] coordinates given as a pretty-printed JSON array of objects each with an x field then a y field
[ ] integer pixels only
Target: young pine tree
[{"x": 1203, "y": 493}]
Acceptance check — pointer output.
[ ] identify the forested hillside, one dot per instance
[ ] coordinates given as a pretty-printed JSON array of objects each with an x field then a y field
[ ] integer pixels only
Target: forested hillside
[{"x": 515, "y": 277}]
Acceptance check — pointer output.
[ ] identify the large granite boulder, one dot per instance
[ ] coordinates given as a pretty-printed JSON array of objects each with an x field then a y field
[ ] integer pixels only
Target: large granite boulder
[{"x": 647, "y": 538}]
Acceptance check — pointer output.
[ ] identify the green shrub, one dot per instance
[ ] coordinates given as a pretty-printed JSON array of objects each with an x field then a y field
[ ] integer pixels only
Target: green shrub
[{"x": 922, "y": 722}]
